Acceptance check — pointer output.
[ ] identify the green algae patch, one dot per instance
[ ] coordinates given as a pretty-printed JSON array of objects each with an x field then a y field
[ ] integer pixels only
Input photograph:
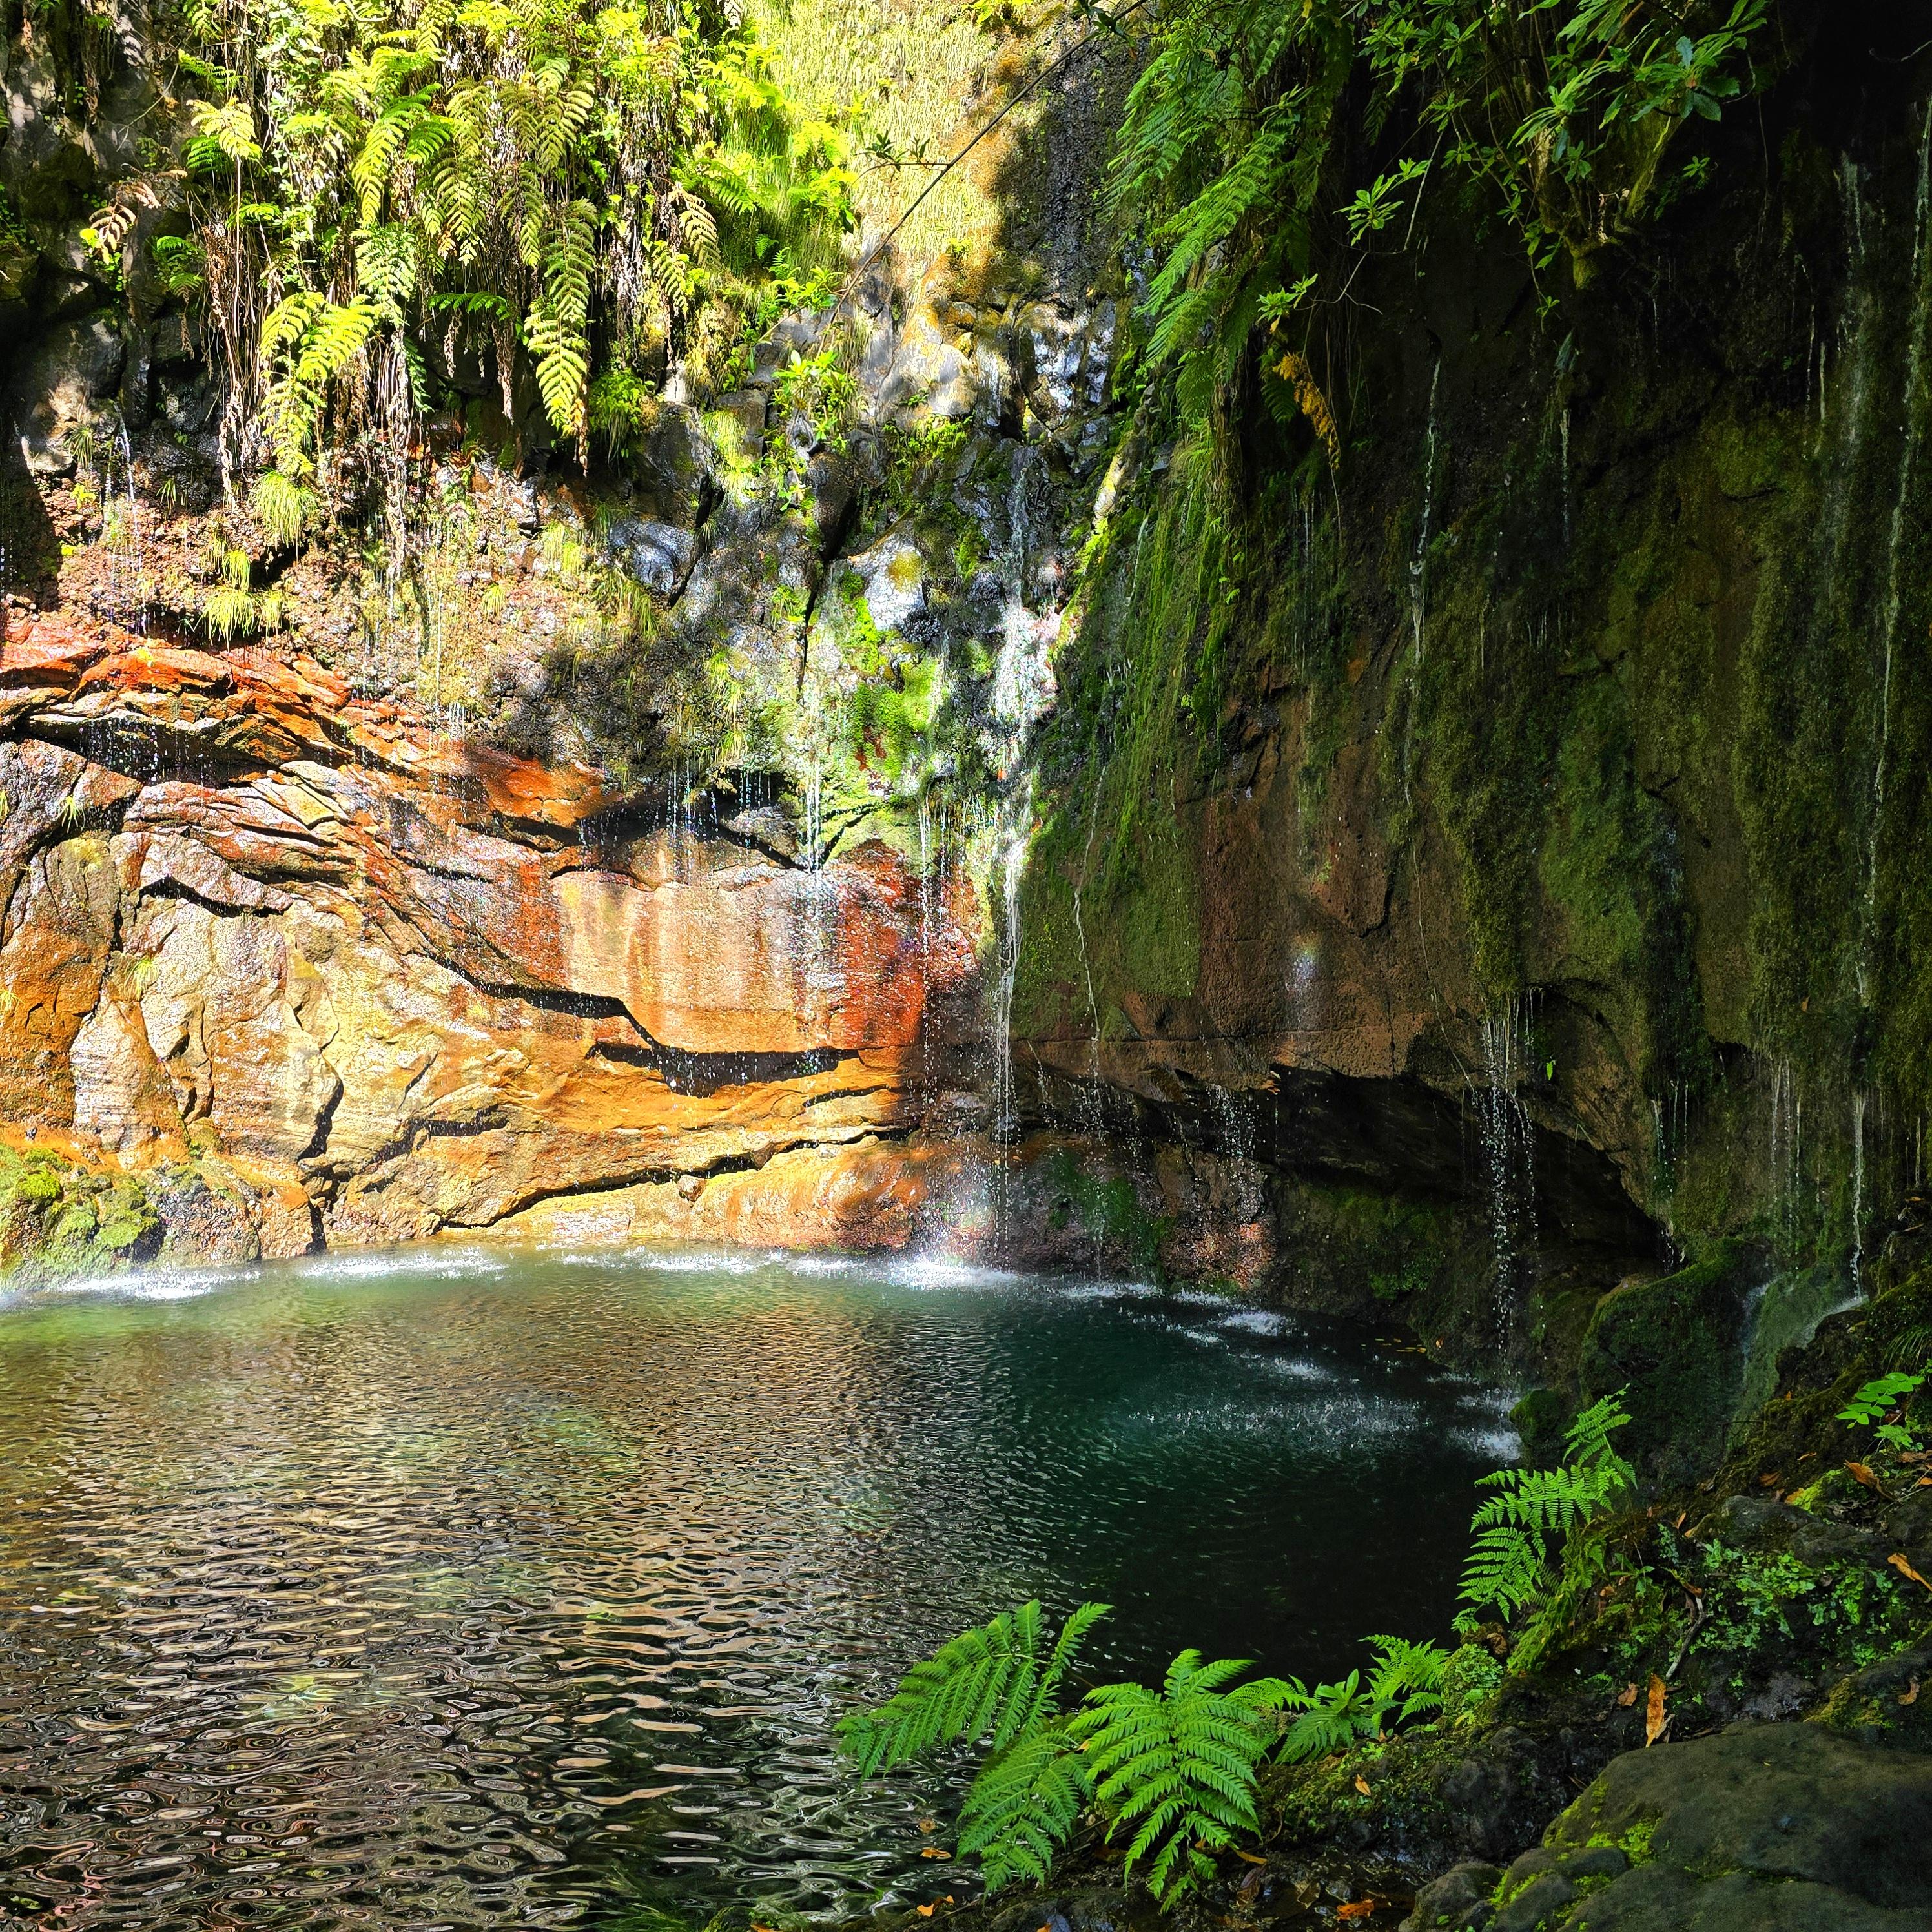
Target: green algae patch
[{"x": 59, "y": 1218}]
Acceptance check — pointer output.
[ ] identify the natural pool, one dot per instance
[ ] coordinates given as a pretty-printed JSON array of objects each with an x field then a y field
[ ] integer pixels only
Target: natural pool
[{"x": 448, "y": 1588}]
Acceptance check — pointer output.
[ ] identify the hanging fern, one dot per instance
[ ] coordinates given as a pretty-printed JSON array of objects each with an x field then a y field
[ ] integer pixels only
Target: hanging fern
[
  {"x": 527, "y": 180},
  {"x": 1564, "y": 114}
]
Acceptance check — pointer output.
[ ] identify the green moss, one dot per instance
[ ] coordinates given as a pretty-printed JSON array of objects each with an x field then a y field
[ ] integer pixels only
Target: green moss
[
  {"x": 1107, "y": 1207},
  {"x": 59, "y": 1218},
  {"x": 1675, "y": 1345}
]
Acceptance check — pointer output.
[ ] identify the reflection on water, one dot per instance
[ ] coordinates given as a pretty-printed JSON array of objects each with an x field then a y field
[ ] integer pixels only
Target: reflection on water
[{"x": 454, "y": 1589}]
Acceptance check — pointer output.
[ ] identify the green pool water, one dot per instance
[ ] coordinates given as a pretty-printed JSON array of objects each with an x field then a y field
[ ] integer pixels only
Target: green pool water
[{"x": 449, "y": 1588}]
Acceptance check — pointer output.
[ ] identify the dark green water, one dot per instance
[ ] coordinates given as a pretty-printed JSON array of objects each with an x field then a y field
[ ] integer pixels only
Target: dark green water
[{"x": 459, "y": 1589}]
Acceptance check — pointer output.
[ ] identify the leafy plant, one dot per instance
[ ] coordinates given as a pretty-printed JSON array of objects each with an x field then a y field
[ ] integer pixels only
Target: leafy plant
[
  {"x": 1882, "y": 1402},
  {"x": 230, "y": 610},
  {"x": 989, "y": 1684},
  {"x": 375, "y": 193},
  {"x": 1405, "y": 1681},
  {"x": 284, "y": 508},
  {"x": 1529, "y": 1520},
  {"x": 1176, "y": 1766},
  {"x": 1564, "y": 112}
]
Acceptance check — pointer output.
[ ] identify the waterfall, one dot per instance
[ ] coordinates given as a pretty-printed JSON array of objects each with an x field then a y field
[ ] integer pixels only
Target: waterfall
[
  {"x": 1786, "y": 1152},
  {"x": 1008, "y": 867},
  {"x": 1915, "y": 362},
  {"x": 1913, "y": 425},
  {"x": 1418, "y": 562},
  {"x": 1508, "y": 1143},
  {"x": 1021, "y": 689},
  {"x": 1859, "y": 1193}
]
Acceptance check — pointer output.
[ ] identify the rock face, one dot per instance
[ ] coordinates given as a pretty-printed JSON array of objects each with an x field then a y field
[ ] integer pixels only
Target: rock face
[
  {"x": 1766, "y": 1826},
  {"x": 414, "y": 982}
]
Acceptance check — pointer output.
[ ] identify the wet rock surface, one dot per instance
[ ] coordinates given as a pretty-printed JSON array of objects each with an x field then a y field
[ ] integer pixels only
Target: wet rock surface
[{"x": 1763, "y": 1825}]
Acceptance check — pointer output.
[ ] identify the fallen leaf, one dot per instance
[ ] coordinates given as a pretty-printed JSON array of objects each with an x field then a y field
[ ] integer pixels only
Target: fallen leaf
[
  {"x": 1626, "y": 1696},
  {"x": 928, "y": 1824},
  {"x": 1248, "y": 1858},
  {"x": 1361, "y": 1784},
  {"x": 1910, "y": 1696},
  {"x": 1897, "y": 1562},
  {"x": 1765, "y": 1482},
  {"x": 1681, "y": 1515},
  {"x": 1859, "y": 1473},
  {"x": 926, "y": 1911},
  {"x": 933, "y": 1852},
  {"x": 1360, "y": 1908},
  {"x": 1654, "y": 1719}
]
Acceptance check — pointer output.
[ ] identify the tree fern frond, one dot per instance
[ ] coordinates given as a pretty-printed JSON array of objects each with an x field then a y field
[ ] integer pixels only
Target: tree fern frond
[
  {"x": 1024, "y": 1803},
  {"x": 1177, "y": 1764},
  {"x": 979, "y": 1684}
]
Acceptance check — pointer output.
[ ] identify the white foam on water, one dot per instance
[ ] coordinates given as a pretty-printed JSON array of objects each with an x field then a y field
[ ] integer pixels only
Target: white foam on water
[
  {"x": 149, "y": 1284},
  {"x": 390, "y": 1261},
  {"x": 1297, "y": 1368},
  {"x": 944, "y": 1271},
  {"x": 699, "y": 1261},
  {"x": 1258, "y": 1321}
]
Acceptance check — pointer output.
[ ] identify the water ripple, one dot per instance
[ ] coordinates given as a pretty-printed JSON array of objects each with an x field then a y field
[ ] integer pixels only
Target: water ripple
[{"x": 456, "y": 1589}]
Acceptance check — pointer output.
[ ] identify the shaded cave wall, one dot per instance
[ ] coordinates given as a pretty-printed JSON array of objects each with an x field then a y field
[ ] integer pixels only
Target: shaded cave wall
[{"x": 1560, "y": 765}]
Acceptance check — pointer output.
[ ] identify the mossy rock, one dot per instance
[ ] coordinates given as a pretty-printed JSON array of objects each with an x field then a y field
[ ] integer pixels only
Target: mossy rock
[
  {"x": 1676, "y": 1345},
  {"x": 1765, "y": 1827}
]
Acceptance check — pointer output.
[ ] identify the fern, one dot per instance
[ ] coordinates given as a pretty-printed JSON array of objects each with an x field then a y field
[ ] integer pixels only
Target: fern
[
  {"x": 1532, "y": 1511},
  {"x": 1178, "y": 1766},
  {"x": 1405, "y": 1681},
  {"x": 991, "y": 1683},
  {"x": 537, "y": 166},
  {"x": 1024, "y": 1803},
  {"x": 284, "y": 508}
]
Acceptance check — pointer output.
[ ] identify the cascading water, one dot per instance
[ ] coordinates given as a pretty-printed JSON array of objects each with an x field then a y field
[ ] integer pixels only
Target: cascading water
[
  {"x": 1418, "y": 562},
  {"x": 1508, "y": 1145},
  {"x": 1020, "y": 687},
  {"x": 1786, "y": 1152},
  {"x": 1859, "y": 1103}
]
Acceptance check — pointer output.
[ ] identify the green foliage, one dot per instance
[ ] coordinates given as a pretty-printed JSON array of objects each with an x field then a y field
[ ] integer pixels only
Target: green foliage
[
  {"x": 1882, "y": 1402},
  {"x": 1531, "y": 1516},
  {"x": 547, "y": 184},
  {"x": 1564, "y": 111},
  {"x": 1470, "y": 1678},
  {"x": 991, "y": 1684},
  {"x": 284, "y": 508},
  {"x": 1405, "y": 1681},
  {"x": 1756, "y": 1603},
  {"x": 1176, "y": 1766}
]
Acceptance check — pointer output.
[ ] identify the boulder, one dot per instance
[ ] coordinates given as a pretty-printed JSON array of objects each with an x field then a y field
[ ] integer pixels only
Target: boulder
[
  {"x": 1765, "y": 1827},
  {"x": 659, "y": 556},
  {"x": 1675, "y": 1343}
]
